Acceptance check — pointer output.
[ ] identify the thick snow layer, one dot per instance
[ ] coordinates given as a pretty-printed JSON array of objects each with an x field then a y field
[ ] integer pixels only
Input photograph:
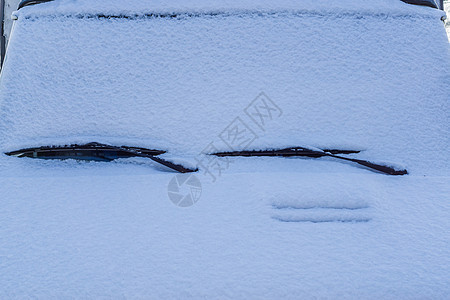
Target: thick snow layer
[
  {"x": 364, "y": 82},
  {"x": 108, "y": 230},
  {"x": 372, "y": 78},
  {"x": 132, "y": 7}
]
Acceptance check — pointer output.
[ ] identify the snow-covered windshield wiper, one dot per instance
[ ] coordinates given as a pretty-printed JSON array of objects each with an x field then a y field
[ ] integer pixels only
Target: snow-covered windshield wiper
[
  {"x": 97, "y": 152},
  {"x": 301, "y": 151}
]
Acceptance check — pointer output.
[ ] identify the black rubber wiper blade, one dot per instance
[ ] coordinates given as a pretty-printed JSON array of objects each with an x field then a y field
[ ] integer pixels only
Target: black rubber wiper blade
[
  {"x": 91, "y": 151},
  {"x": 287, "y": 152},
  {"x": 306, "y": 152},
  {"x": 97, "y": 152}
]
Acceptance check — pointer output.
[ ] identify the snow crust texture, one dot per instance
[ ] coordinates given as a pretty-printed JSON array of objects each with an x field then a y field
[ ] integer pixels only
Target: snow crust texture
[
  {"x": 132, "y": 7},
  {"x": 353, "y": 81},
  {"x": 357, "y": 75},
  {"x": 252, "y": 236}
]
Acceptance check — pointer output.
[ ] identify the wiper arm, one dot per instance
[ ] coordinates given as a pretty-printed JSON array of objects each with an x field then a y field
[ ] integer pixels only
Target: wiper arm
[
  {"x": 301, "y": 151},
  {"x": 169, "y": 164},
  {"x": 98, "y": 152}
]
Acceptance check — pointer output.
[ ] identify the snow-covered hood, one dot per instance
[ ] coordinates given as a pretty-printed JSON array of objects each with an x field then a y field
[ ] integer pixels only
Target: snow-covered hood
[{"x": 108, "y": 230}]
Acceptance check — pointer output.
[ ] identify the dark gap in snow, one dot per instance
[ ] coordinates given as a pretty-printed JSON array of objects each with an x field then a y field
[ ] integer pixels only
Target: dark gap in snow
[
  {"x": 325, "y": 220},
  {"x": 299, "y": 207}
]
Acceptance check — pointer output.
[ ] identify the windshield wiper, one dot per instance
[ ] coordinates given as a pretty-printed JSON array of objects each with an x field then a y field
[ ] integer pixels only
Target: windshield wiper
[
  {"x": 301, "y": 151},
  {"x": 103, "y": 152},
  {"x": 97, "y": 152}
]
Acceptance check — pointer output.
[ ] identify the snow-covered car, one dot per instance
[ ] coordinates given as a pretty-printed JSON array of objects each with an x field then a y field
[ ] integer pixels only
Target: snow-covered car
[{"x": 225, "y": 149}]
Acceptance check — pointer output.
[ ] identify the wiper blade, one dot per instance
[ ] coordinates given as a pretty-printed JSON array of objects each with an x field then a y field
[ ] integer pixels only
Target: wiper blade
[
  {"x": 287, "y": 152},
  {"x": 97, "y": 152},
  {"x": 86, "y": 151},
  {"x": 301, "y": 151}
]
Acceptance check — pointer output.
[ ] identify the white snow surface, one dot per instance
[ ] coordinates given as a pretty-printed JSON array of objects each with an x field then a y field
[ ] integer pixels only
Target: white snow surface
[
  {"x": 372, "y": 78},
  {"x": 108, "y": 230},
  {"x": 132, "y": 7},
  {"x": 348, "y": 81}
]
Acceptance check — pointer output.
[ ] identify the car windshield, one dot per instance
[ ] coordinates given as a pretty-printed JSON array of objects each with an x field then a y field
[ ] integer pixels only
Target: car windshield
[{"x": 225, "y": 79}]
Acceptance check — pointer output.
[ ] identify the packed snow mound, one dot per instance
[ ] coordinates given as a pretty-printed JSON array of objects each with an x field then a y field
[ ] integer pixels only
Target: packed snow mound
[{"x": 132, "y": 7}]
